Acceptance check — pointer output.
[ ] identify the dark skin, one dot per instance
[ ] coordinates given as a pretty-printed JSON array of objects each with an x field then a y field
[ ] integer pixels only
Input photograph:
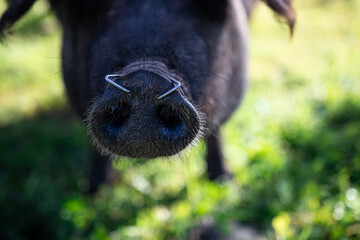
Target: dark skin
[
  {"x": 215, "y": 158},
  {"x": 100, "y": 170},
  {"x": 203, "y": 42}
]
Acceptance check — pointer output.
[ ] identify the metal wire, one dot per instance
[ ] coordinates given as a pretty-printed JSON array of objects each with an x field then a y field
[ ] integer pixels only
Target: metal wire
[{"x": 150, "y": 66}]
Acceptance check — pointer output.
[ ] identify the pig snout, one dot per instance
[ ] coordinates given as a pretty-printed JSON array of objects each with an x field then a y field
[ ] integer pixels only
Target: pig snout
[{"x": 139, "y": 124}]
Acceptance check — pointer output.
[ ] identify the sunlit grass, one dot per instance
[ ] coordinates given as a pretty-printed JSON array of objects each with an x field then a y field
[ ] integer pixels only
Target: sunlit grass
[{"x": 30, "y": 67}]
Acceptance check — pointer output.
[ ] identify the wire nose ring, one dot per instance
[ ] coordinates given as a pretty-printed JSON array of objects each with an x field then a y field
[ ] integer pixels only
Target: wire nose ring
[
  {"x": 107, "y": 78},
  {"x": 176, "y": 83}
]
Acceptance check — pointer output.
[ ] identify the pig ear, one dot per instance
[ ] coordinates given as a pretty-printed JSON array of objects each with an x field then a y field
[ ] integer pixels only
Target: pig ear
[
  {"x": 285, "y": 10},
  {"x": 16, "y": 9}
]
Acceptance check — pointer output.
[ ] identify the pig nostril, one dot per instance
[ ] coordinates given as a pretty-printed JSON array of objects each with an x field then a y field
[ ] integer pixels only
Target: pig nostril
[
  {"x": 169, "y": 117},
  {"x": 116, "y": 115}
]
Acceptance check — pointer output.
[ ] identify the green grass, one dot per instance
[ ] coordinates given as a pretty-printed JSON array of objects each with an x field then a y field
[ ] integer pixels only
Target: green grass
[{"x": 293, "y": 146}]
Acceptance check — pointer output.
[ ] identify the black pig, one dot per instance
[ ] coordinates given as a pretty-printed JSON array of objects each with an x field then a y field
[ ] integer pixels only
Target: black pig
[{"x": 147, "y": 48}]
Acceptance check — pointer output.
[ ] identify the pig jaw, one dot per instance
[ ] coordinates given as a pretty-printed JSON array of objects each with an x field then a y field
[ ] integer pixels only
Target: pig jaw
[{"x": 138, "y": 124}]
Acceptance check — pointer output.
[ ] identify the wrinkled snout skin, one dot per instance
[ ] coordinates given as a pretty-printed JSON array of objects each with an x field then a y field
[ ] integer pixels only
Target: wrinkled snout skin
[{"x": 202, "y": 43}]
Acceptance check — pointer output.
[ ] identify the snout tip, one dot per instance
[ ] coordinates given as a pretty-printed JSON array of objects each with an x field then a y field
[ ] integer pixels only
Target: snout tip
[{"x": 127, "y": 128}]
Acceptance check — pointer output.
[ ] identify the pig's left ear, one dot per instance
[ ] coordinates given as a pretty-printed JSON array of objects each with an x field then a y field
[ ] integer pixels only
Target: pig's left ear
[
  {"x": 16, "y": 9},
  {"x": 285, "y": 10}
]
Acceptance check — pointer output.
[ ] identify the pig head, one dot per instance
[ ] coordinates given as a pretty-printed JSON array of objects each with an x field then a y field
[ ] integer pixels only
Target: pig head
[{"x": 175, "y": 70}]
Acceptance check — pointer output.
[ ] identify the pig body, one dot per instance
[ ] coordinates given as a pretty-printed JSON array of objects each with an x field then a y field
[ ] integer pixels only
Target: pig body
[
  {"x": 201, "y": 44},
  {"x": 207, "y": 46}
]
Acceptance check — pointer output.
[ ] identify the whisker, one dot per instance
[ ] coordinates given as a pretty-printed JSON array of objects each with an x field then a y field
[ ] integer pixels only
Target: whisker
[
  {"x": 218, "y": 75},
  {"x": 66, "y": 67},
  {"x": 100, "y": 32}
]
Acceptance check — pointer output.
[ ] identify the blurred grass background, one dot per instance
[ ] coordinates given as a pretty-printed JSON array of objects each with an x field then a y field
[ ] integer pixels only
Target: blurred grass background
[{"x": 293, "y": 146}]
